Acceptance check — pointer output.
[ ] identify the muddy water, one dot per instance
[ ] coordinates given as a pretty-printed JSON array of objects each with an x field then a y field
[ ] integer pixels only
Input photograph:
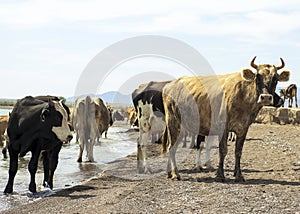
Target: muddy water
[{"x": 69, "y": 172}]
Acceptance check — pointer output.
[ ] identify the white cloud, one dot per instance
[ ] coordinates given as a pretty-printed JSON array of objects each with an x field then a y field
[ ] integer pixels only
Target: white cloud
[
  {"x": 256, "y": 20},
  {"x": 37, "y": 33}
]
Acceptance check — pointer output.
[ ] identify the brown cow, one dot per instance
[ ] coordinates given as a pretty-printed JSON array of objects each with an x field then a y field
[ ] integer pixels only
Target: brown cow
[
  {"x": 3, "y": 136},
  {"x": 288, "y": 93},
  {"x": 90, "y": 119},
  {"x": 3, "y": 126},
  {"x": 216, "y": 105},
  {"x": 131, "y": 115}
]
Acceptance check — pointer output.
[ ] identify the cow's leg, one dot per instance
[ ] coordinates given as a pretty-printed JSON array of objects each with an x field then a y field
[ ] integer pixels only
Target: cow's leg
[
  {"x": 173, "y": 140},
  {"x": 139, "y": 156},
  {"x": 153, "y": 137},
  {"x": 199, "y": 148},
  {"x": 184, "y": 141},
  {"x": 32, "y": 167},
  {"x": 81, "y": 148},
  {"x": 90, "y": 150},
  {"x": 77, "y": 136},
  {"x": 54, "y": 155},
  {"x": 238, "y": 153},
  {"x": 13, "y": 168},
  {"x": 4, "y": 152},
  {"x": 192, "y": 145},
  {"x": 46, "y": 165},
  {"x": 208, "y": 145},
  {"x": 145, "y": 140},
  {"x": 222, "y": 154},
  {"x": 296, "y": 102},
  {"x": 174, "y": 171}
]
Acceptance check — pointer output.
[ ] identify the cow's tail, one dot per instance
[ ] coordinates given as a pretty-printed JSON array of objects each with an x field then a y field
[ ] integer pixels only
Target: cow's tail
[{"x": 164, "y": 141}]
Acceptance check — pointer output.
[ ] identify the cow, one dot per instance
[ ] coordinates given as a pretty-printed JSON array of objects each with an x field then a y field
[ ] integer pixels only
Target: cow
[
  {"x": 105, "y": 115},
  {"x": 216, "y": 105},
  {"x": 5, "y": 142},
  {"x": 39, "y": 127},
  {"x": 132, "y": 116},
  {"x": 90, "y": 119},
  {"x": 288, "y": 93},
  {"x": 3, "y": 138},
  {"x": 147, "y": 101},
  {"x": 117, "y": 116}
]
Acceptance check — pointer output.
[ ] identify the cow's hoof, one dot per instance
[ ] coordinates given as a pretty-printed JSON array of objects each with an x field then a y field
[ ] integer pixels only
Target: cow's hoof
[
  {"x": 198, "y": 168},
  {"x": 8, "y": 190},
  {"x": 147, "y": 170},
  {"x": 79, "y": 160},
  {"x": 48, "y": 185},
  {"x": 140, "y": 170},
  {"x": 240, "y": 179},
  {"x": 32, "y": 188},
  {"x": 176, "y": 177},
  {"x": 210, "y": 168},
  {"x": 220, "y": 179},
  {"x": 169, "y": 175}
]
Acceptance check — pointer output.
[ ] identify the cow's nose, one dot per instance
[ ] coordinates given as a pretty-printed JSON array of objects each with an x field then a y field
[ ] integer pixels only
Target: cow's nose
[
  {"x": 265, "y": 99},
  {"x": 69, "y": 138}
]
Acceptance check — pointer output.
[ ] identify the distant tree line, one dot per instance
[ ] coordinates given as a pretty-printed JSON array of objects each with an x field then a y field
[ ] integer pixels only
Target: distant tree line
[{"x": 7, "y": 102}]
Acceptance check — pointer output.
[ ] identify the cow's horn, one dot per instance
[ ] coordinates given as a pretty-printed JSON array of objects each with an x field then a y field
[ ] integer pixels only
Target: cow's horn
[
  {"x": 253, "y": 64},
  {"x": 282, "y": 64}
]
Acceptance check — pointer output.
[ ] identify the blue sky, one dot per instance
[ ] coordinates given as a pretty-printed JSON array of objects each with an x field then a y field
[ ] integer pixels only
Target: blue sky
[{"x": 45, "y": 45}]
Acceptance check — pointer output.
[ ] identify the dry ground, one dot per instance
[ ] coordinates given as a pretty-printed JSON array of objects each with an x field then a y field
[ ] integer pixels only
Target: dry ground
[{"x": 270, "y": 163}]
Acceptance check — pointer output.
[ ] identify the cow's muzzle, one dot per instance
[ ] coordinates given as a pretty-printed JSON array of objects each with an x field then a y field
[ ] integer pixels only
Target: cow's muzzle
[
  {"x": 265, "y": 99},
  {"x": 69, "y": 138}
]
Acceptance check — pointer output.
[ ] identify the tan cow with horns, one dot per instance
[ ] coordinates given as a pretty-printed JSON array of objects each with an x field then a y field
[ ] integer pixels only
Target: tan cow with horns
[{"x": 216, "y": 105}]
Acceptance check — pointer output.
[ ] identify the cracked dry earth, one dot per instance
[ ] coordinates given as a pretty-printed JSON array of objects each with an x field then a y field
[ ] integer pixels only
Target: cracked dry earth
[{"x": 270, "y": 164}]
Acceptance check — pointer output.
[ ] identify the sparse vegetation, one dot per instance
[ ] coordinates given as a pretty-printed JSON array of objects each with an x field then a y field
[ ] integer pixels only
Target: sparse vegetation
[{"x": 6, "y": 103}]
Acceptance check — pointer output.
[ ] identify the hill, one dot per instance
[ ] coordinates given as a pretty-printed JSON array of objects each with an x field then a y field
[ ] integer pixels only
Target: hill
[{"x": 111, "y": 97}]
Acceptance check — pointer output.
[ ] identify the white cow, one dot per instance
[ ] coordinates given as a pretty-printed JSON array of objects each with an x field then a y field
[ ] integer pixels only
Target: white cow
[{"x": 85, "y": 124}]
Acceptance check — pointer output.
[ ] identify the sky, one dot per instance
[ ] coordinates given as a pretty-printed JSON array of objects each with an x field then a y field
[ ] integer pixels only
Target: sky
[{"x": 45, "y": 45}]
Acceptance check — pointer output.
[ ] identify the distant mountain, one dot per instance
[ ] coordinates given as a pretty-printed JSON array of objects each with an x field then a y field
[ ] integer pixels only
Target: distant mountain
[
  {"x": 115, "y": 97},
  {"x": 111, "y": 97}
]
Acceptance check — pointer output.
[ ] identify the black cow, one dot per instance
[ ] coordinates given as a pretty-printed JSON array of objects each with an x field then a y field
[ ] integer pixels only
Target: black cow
[
  {"x": 147, "y": 100},
  {"x": 35, "y": 125}
]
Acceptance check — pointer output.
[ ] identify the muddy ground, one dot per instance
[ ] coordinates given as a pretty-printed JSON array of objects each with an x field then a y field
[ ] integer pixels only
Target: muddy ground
[{"x": 270, "y": 164}]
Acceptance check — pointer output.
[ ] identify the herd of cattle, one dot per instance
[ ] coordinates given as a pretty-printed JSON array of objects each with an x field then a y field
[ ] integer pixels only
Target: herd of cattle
[{"x": 165, "y": 112}]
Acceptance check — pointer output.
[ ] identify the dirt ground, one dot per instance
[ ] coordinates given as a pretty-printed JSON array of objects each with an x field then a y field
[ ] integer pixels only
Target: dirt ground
[{"x": 270, "y": 164}]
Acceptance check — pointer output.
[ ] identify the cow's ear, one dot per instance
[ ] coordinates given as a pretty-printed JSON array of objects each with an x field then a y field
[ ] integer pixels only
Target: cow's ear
[
  {"x": 44, "y": 114},
  {"x": 284, "y": 76},
  {"x": 248, "y": 75}
]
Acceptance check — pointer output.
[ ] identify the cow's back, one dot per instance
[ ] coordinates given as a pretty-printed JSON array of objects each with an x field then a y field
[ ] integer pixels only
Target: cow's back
[
  {"x": 23, "y": 114},
  {"x": 215, "y": 100},
  {"x": 150, "y": 93}
]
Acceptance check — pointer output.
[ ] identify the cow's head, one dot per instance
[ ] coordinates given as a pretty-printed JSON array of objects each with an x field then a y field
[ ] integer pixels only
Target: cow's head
[
  {"x": 266, "y": 78},
  {"x": 282, "y": 92},
  {"x": 55, "y": 116}
]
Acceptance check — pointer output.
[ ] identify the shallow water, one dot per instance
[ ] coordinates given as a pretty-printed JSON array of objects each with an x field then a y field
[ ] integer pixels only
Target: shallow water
[
  {"x": 69, "y": 172},
  {"x": 5, "y": 111}
]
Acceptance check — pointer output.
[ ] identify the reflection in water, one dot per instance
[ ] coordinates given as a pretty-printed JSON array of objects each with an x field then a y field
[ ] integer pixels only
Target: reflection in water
[
  {"x": 69, "y": 172},
  {"x": 87, "y": 167}
]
